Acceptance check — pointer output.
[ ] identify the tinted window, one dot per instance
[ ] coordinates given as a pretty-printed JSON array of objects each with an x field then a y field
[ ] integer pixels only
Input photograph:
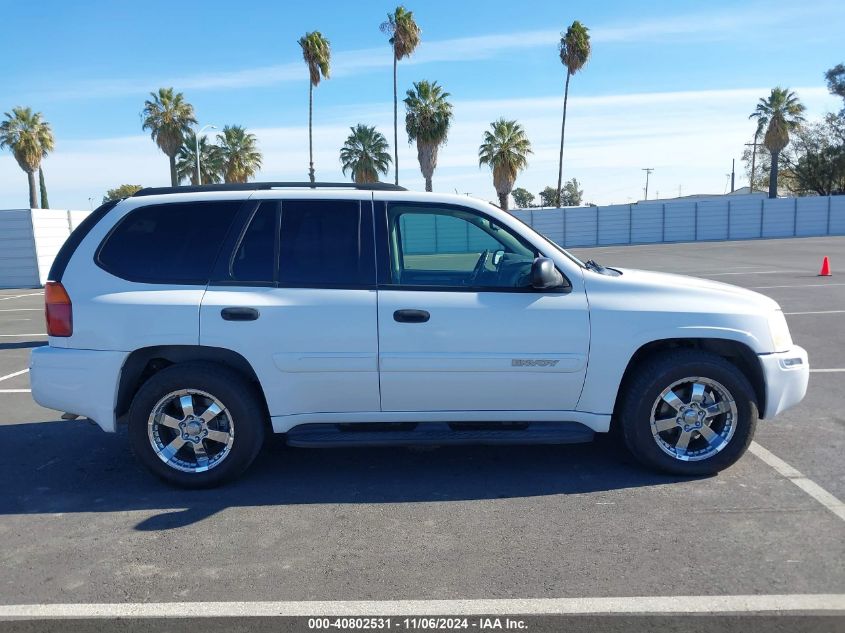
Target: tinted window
[
  {"x": 169, "y": 243},
  {"x": 321, "y": 244},
  {"x": 255, "y": 257},
  {"x": 455, "y": 247}
]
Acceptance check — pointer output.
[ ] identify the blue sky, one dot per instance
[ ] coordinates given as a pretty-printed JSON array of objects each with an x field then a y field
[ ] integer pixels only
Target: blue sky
[{"x": 669, "y": 85}]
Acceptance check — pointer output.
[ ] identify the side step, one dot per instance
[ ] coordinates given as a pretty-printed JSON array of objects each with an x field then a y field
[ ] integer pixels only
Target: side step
[{"x": 435, "y": 433}]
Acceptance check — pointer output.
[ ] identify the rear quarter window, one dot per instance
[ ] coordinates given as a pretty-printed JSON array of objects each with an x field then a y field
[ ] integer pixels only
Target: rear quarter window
[{"x": 168, "y": 243}]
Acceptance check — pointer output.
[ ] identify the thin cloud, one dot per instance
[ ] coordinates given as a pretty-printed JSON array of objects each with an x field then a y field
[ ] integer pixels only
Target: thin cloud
[{"x": 710, "y": 25}]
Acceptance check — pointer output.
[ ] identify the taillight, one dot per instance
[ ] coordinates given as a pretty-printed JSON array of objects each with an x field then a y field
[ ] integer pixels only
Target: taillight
[{"x": 58, "y": 309}]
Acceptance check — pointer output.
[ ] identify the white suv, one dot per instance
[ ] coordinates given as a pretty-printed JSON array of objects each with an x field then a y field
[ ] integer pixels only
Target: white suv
[{"x": 337, "y": 314}]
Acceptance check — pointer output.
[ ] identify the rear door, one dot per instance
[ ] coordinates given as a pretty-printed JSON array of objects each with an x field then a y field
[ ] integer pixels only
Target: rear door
[{"x": 296, "y": 297}]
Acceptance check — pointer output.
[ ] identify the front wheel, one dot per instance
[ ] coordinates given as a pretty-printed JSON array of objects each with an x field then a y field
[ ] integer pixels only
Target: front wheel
[
  {"x": 196, "y": 425},
  {"x": 688, "y": 412}
]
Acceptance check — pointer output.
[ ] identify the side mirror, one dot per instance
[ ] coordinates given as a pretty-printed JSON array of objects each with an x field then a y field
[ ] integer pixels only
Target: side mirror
[{"x": 544, "y": 275}]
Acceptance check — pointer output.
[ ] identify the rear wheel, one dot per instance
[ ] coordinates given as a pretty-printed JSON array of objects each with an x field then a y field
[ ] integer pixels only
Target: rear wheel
[
  {"x": 688, "y": 412},
  {"x": 196, "y": 425}
]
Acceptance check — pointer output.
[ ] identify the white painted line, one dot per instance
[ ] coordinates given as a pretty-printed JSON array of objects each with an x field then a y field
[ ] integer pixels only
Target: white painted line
[
  {"x": 23, "y": 310},
  {"x": 31, "y": 294},
  {"x": 19, "y": 335},
  {"x": 817, "y": 312},
  {"x": 831, "y": 602},
  {"x": 827, "y": 371},
  {"x": 17, "y": 373},
  {"x": 756, "y": 272},
  {"x": 795, "y": 476},
  {"x": 793, "y": 286},
  {"x": 15, "y": 390}
]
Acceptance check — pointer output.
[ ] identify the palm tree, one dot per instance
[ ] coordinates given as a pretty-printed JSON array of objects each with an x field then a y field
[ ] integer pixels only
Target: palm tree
[
  {"x": 239, "y": 153},
  {"x": 364, "y": 154},
  {"x": 169, "y": 118},
  {"x": 404, "y": 38},
  {"x": 574, "y": 51},
  {"x": 505, "y": 149},
  {"x": 211, "y": 161},
  {"x": 780, "y": 114},
  {"x": 427, "y": 119},
  {"x": 316, "y": 51},
  {"x": 30, "y": 139}
]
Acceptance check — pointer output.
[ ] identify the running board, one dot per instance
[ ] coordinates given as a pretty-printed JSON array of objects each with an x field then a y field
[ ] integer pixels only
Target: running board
[{"x": 436, "y": 433}]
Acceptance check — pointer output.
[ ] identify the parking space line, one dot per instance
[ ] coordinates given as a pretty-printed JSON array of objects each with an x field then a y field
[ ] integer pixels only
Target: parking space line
[
  {"x": 31, "y": 294},
  {"x": 827, "y": 371},
  {"x": 799, "y": 286},
  {"x": 19, "y": 335},
  {"x": 23, "y": 310},
  {"x": 797, "y": 477},
  {"x": 755, "y": 272},
  {"x": 17, "y": 373},
  {"x": 15, "y": 390},
  {"x": 831, "y": 602},
  {"x": 816, "y": 312}
]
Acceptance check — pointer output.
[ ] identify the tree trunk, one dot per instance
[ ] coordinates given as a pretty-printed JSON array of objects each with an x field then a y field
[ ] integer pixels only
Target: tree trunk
[
  {"x": 310, "y": 139},
  {"x": 42, "y": 189},
  {"x": 33, "y": 192},
  {"x": 562, "y": 132},
  {"x": 428, "y": 183},
  {"x": 773, "y": 176},
  {"x": 503, "y": 201},
  {"x": 396, "y": 129},
  {"x": 174, "y": 180}
]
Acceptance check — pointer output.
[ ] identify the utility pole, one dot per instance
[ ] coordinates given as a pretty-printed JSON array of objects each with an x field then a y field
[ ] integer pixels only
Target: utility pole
[
  {"x": 755, "y": 145},
  {"x": 733, "y": 174},
  {"x": 647, "y": 171}
]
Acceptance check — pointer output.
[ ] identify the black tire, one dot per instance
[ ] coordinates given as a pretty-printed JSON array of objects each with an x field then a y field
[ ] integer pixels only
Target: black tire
[
  {"x": 659, "y": 372},
  {"x": 241, "y": 401}
]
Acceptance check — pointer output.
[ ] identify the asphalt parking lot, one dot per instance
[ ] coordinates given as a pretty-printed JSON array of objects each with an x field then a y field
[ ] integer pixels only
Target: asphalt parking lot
[{"x": 81, "y": 522}]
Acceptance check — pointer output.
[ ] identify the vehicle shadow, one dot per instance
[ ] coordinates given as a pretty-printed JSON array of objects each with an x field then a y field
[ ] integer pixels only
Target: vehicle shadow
[
  {"x": 22, "y": 345},
  {"x": 58, "y": 467}
]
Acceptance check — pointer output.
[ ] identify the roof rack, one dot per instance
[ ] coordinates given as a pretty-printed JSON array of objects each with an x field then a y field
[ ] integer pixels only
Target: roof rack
[{"x": 253, "y": 186}]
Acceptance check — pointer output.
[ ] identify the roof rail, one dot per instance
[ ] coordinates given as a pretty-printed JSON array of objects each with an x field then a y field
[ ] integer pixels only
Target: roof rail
[{"x": 254, "y": 186}]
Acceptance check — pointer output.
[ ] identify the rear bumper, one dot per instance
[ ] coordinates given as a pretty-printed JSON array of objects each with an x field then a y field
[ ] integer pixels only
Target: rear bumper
[
  {"x": 77, "y": 381},
  {"x": 786, "y": 375}
]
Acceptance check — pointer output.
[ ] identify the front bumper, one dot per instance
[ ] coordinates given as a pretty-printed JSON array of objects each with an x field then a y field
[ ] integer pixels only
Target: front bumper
[
  {"x": 77, "y": 381},
  {"x": 786, "y": 375}
]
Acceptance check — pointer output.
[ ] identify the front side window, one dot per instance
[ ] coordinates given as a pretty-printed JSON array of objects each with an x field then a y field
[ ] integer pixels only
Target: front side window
[
  {"x": 325, "y": 243},
  {"x": 168, "y": 243},
  {"x": 453, "y": 247}
]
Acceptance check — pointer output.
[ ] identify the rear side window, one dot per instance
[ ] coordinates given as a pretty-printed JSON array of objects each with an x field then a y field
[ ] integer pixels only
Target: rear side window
[
  {"x": 168, "y": 243},
  {"x": 325, "y": 243},
  {"x": 57, "y": 270},
  {"x": 254, "y": 259}
]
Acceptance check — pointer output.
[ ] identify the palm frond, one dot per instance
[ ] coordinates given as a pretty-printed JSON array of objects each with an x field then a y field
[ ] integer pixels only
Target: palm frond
[{"x": 316, "y": 51}]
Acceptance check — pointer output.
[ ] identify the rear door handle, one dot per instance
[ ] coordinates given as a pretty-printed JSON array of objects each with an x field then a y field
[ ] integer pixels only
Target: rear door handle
[
  {"x": 411, "y": 316},
  {"x": 239, "y": 314}
]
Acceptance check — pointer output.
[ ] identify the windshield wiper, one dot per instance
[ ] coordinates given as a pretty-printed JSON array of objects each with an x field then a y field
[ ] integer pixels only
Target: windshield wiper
[{"x": 593, "y": 265}]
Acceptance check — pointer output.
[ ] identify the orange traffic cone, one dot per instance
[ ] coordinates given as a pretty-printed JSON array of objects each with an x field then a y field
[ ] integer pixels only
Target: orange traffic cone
[{"x": 825, "y": 271}]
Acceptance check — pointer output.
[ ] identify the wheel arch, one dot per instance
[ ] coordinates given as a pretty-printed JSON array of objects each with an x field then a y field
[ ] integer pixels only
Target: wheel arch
[
  {"x": 735, "y": 352},
  {"x": 145, "y": 362}
]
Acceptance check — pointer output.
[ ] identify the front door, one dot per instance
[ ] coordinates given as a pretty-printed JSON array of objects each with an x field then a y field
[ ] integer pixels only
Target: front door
[{"x": 460, "y": 327}]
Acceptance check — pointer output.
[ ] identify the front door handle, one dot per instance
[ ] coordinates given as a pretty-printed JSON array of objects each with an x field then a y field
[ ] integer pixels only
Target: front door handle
[
  {"x": 239, "y": 314},
  {"x": 411, "y": 316}
]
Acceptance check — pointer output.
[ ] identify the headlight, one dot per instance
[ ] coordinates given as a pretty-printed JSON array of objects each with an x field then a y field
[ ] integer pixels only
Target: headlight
[{"x": 779, "y": 330}]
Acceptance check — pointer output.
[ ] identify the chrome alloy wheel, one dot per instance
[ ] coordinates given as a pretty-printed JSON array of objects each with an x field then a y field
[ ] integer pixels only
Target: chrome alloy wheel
[
  {"x": 693, "y": 419},
  {"x": 190, "y": 430}
]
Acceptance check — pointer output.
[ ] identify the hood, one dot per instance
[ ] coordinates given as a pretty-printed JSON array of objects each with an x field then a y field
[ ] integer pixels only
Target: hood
[{"x": 699, "y": 294}]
